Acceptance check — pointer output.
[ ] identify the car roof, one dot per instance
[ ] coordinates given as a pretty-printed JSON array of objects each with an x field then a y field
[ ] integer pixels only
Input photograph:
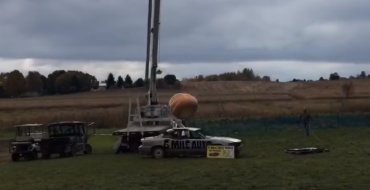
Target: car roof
[
  {"x": 186, "y": 128},
  {"x": 30, "y": 125}
]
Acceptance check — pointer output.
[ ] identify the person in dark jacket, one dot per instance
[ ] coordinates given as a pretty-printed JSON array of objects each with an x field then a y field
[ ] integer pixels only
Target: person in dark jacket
[{"x": 305, "y": 118}]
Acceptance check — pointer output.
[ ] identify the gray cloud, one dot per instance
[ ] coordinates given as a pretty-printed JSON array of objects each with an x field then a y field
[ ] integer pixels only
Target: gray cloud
[{"x": 192, "y": 30}]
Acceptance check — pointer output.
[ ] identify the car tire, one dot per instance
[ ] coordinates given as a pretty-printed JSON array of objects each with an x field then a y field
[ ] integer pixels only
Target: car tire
[{"x": 158, "y": 152}]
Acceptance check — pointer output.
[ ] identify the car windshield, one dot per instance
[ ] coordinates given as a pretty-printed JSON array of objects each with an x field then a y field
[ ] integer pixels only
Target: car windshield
[
  {"x": 55, "y": 129},
  {"x": 203, "y": 133}
]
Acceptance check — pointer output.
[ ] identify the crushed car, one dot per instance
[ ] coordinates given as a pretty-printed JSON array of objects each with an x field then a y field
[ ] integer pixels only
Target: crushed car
[{"x": 184, "y": 141}]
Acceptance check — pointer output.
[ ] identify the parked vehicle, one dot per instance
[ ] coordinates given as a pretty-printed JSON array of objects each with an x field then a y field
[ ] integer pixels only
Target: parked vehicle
[
  {"x": 66, "y": 138},
  {"x": 26, "y": 143},
  {"x": 184, "y": 141}
]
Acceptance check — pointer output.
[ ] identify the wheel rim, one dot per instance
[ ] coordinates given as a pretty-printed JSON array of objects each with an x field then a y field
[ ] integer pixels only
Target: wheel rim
[{"x": 158, "y": 153}]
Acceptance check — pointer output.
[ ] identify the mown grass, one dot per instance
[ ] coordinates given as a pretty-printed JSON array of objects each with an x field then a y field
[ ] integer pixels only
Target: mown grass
[
  {"x": 6, "y": 135},
  {"x": 264, "y": 165}
]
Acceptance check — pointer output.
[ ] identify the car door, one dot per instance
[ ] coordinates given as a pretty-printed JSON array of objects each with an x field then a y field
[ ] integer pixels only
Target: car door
[
  {"x": 198, "y": 143},
  {"x": 185, "y": 142},
  {"x": 170, "y": 142}
]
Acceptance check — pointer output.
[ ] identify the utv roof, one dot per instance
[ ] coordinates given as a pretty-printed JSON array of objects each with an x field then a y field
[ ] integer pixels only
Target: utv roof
[
  {"x": 139, "y": 129},
  {"x": 68, "y": 122},
  {"x": 30, "y": 125}
]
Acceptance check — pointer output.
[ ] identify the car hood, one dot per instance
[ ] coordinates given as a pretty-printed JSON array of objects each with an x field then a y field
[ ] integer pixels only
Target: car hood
[
  {"x": 234, "y": 140},
  {"x": 153, "y": 137}
]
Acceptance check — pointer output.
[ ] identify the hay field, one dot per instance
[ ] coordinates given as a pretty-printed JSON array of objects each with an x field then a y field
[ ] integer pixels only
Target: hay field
[{"x": 216, "y": 99}]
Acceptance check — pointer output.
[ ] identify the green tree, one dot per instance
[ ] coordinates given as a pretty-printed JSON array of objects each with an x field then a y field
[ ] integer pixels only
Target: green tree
[
  {"x": 34, "y": 82},
  {"x": 362, "y": 75},
  {"x": 51, "y": 88},
  {"x": 266, "y": 78},
  {"x": 128, "y": 81},
  {"x": 94, "y": 82},
  {"x": 2, "y": 95},
  {"x": 200, "y": 78},
  {"x": 84, "y": 83},
  {"x": 75, "y": 83},
  {"x": 2, "y": 76},
  {"x": 170, "y": 79},
  {"x": 44, "y": 83},
  {"x": 120, "y": 82},
  {"x": 139, "y": 83},
  {"x": 334, "y": 76},
  {"x": 248, "y": 74},
  {"x": 96, "y": 85},
  {"x": 110, "y": 81},
  {"x": 63, "y": 83},
  {"x": 15, "y": 84}
]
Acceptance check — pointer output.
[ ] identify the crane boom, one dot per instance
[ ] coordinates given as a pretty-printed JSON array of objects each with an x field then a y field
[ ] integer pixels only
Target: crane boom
[
  {"x": 152, "y": 94},
  {"x": 148, "y": 39}
]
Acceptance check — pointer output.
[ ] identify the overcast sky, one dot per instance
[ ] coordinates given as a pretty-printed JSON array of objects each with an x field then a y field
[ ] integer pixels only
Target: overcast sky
[{"x": 284, "y": 39}]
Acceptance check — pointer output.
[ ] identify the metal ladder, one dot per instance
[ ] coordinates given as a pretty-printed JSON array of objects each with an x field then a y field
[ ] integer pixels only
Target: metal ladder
[{"x": 134, "y": 113}]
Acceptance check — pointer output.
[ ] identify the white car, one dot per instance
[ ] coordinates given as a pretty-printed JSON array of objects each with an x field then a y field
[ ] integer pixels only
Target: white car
[{"x": 184, "y": 141}]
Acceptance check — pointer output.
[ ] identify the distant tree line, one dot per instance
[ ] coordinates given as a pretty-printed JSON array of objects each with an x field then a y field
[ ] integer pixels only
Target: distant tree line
[
  {"x": 15, "y": 84},
  {"x": 335, "y": 76},
  {"x": 246, "y": 74},
  {"x": 168, "y": 81},
  {"x": 112, "y": 83}
]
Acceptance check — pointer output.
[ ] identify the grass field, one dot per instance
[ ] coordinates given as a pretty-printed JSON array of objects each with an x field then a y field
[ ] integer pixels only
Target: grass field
[
  {"x": 264, "y": 165},
  {"x": 216, "y": 99}
]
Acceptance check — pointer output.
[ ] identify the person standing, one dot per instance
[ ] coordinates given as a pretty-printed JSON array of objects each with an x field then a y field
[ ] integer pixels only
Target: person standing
[{"x": 305, "y": 118}]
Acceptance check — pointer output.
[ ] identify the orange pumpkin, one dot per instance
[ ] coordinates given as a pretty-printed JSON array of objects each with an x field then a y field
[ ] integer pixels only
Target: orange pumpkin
[{"x": 183, "y": 105}]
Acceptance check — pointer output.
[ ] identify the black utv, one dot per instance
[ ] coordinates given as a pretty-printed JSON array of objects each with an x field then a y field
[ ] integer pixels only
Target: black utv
[{"x": 66, "y": 138}]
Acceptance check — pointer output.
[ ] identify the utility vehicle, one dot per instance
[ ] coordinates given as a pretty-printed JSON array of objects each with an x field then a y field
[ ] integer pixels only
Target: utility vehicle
[
  {"x": 26, "y": 143},
  {"x": 66, "y": 138}
]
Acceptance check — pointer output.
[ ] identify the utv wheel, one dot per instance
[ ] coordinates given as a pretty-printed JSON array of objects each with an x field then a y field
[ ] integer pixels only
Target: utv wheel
[
  {"x": 158, "y": 152},
  {"x": 88, "y": 149},
  {"x": 73, "y": 152},
  {"x": 34, "y": 155},
  {"x": 15, "y": 157},
  {"x": 62, "y": 154},
  {"x": 118, "y": 150}
]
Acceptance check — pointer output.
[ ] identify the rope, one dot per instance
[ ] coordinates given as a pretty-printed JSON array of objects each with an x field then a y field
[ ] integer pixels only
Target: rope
[{"x": 315, "y": 135}]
